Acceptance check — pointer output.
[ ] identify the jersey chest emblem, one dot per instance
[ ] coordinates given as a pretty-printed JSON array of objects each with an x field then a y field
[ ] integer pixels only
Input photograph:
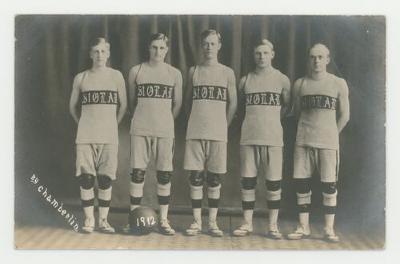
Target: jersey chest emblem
[
  {"x": 151, "y": 90},
  {"x": 263, "y": 98},
  {"x": 207, "y": 92},
  {"x": 318, "y": 102},
  {"x": 99, "y": 97}
]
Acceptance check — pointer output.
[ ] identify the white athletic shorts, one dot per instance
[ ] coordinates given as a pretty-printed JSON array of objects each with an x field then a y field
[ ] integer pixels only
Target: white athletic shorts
[
  {"x": 269, "y": 158},
  {"x": 207, "y": 155},
  {"x": 97, "y": 159},
  {"x": 309, "y": 159},
  {"x": 145, "y": 147}
]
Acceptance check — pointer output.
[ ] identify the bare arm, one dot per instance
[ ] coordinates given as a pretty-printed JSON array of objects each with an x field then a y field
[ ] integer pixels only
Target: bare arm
[
  {"x": 344, "y": 106},
  {"x": 232, "y": 98},
  {"x": 285, "y": 110},
  {"x": 74, "y": 99},
  {"x": 241, "y": 99},
  {"x": 122, "y": 97},
  {"x": 296, "y": 99},
  {"x": 189, "y": 93},
  {"x": 177, "y": 101},
  {"x": 132, "y": 89}
]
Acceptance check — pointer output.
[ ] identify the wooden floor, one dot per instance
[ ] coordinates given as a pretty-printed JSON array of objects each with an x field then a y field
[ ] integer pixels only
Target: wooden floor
[{"x": 61, "y": 236}]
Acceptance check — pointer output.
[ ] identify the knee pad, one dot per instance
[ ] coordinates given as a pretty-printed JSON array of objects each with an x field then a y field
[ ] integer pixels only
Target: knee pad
[
  {"x": 86, "y": 181},
  {"x": 164, "y": 177},
  {"x": 249, "y": 183},
  {"x": 196, "y": 178},
  {"x": 273, "y": 185},
  {"x": 104, "y": 182},
  {"x": 213, "y": 179},
  {"x": 329, "y": 187},
  {"x": 137, "y": 176},
  {"x": 303, "y": 185}
]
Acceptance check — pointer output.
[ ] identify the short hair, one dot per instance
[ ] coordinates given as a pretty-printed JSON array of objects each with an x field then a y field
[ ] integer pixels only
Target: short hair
[
  {"x": 262, "y": 42},
  {"x": 97, "y": 41},
  {"x": 209, "y": 32},
  {"x": 323, "y": 46},
  {"x": 158, "y": 36}
]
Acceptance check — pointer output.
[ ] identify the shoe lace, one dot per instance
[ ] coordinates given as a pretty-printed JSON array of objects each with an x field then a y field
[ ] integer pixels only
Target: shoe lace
[
  {"x": 213, "y": 226},
  {"x": 245, "y": 227},
  {"x": 299, "y": 229},
  {"x": 165, "y": 223},
  {"x": 195, "y": 225},
  {"x": 89, "y": 222},
  {"x": 104, "y": 223},
  {"x": 330, "y": 232},
  {"x": 275, "y": 229}
]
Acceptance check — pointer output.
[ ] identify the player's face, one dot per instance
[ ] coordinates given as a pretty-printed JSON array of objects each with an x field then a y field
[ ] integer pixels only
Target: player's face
[
  {"x": 158, "y": 49},
  {"x": 318, "y": 59},
  {"x": 263, "y": 56},
  {"x": 100, "y": 54},
  {"x": 210, "y": 46}
]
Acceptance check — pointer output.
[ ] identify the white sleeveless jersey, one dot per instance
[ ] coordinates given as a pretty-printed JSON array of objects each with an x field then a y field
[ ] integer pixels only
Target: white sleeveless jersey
[
  {"x": 263, "y": 98},
  {"x": 317, "y": 125},
  {"x": 99, "y": 100},
  {"x": 154, "y": 91},
  {"x": 210, "y": 93}
]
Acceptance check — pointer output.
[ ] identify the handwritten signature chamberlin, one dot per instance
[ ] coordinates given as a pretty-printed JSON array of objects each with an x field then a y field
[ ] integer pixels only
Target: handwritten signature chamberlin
[{"x": 48, "y": 197}]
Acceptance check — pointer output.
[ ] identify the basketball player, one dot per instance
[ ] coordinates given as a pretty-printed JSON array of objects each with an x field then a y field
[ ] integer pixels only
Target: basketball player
[
  {"x": 211, "y": 102},
  {"x": 156, "y": 99},
  {"x": 322, "y": 105},
  {"x": 100, "y": 91},
  {"x": 265, "y": 94}
]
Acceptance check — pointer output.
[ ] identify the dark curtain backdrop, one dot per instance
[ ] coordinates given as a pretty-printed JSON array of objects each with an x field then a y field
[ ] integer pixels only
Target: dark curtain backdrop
[{"x": 51, "y": 50}]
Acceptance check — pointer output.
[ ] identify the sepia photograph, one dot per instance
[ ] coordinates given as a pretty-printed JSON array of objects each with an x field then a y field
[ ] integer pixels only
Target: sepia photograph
[{"x": 200, "y": 132}]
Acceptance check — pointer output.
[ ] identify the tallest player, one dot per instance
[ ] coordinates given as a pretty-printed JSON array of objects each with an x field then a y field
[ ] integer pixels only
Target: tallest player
[
  {"x": 156, "y": 99},
  {"x": 322, "y": 105},
  {"x": 211, "y": 100}
]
